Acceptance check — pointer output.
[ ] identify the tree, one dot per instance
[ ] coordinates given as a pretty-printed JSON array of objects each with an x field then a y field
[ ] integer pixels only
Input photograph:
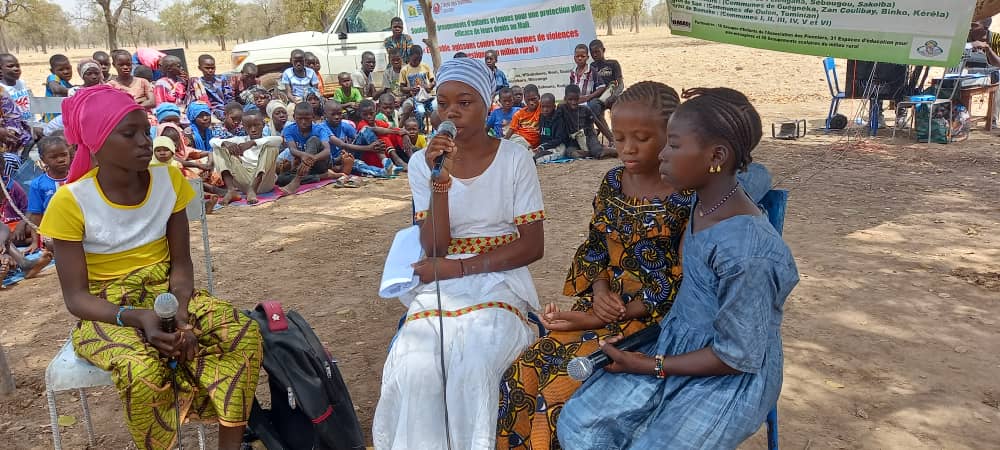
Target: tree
[
  {"x": 605, "y": 11},
  {"x": 8, "y": 8},
  {"x": 426, "y": 6},
  {"x": 270, "y": 15},
  {"x": 661, "y": 13},
  {"x": 634, "y": 8},
  {"x": 40, "y": 25},
  {"x": 177, "y": 20},
  {"x": 112, "y": 10},
  {"x": 219, "y": 17},
  {"x": 315, "y": 14}
]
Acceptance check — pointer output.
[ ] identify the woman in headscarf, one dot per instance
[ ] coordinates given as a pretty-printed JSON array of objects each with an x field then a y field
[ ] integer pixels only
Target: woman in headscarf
[
  {"x": 90, "y": 72},
  {"x": 277, "y": 115},
  {"x": 112, "y": 269},
  {"x": 200, "y": 116},
  {"x": 480, "y": 222}
]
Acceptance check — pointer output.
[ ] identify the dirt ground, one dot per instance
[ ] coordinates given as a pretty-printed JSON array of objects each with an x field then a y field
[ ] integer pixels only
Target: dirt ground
[{"x": 891, "y": 336}]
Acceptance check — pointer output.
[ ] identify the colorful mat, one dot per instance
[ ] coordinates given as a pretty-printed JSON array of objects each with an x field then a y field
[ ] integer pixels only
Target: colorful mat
[
  {"x": 14, "y": 276},
  {"x": 274, "y": 195}
]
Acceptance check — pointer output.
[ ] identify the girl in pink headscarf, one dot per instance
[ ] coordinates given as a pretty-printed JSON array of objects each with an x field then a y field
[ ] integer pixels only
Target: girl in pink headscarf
[{"x": 121, "y": 232}]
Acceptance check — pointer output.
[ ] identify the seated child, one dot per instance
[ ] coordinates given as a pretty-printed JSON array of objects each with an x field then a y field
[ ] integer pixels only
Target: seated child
[
  {"x": 13, "y": 232},
  {"x": 524, "y": 125},
  {"x": 104, "y": 60},
  {"x": 194, "y": 161},
  {"x": 387, "y": 110},
  {"x": 342, "y": 144},
  {"x": 499, "y": 120},
  {"x": 15, "y": 134},
  {"x": 54, "y": 153},
  {"x": 259, "y": 98},
  {"x": 363, "y": 77},
  {"x": 277, "y": 115},
  {"x": 716, "y": 370},
  {"x": 232, "y": 123},
  {"x": 414, "y": 140},
  {"x": 315, "y": 99},
  {"x": 10, "y": 74},
  {"x": 145, "y": 73},
  {"x": 210, "y": 89},
  {"x": 416, "y": 80},
  {"x": 370, "y": 130},
  {"x": 518, "y": 96},
  {"x": 244, "y": 82},
  {"x": 309, "y": 147},
  {"x": 295, "y": 79},
  {"x": 141, "y": 90},
  {"x": 312, "y": 62},
  {"x": 573, "y": 134},
  {"x": 200, "y": 132},
  {"x": 248, "y": 163},
  {"x": 552, "y": 146},
  {"x": 347, "y": 95},
  {"x": 163, "y": 152},
  {"x": 57, "y": 83},
  {"x": 90, "y": 72},
  {"x": 172, "y": 86}
]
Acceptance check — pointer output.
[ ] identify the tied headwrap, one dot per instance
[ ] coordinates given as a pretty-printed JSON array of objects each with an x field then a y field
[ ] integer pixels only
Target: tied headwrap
[
  {"x": 166, "y": 111},
  {"x": 163, "y": 141},
  {"x": 472, "y": 72},
  {"x": 89, "y": 118},
  {"x": 83, "y": 66},
  {"x": 272, "y": 107},
  {"x": 194, "y": 110}
]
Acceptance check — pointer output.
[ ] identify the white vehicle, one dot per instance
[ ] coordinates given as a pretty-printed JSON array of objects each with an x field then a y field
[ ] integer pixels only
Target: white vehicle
[{"x": 360, "y": 26}]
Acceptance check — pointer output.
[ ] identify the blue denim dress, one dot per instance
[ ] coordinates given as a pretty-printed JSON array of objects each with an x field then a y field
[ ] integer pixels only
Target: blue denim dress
[{"x": 737, "y": 275}]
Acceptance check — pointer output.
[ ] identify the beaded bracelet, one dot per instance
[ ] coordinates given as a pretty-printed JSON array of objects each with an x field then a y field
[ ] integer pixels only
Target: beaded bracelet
[
  {"x": 441, "y": 188},
  {"x": 659, "y": 372},
  {"x": 118, "y": 316}
]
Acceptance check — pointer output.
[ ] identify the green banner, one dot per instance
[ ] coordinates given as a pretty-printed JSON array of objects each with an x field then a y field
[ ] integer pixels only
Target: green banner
[{"x": 919, "y": 32}]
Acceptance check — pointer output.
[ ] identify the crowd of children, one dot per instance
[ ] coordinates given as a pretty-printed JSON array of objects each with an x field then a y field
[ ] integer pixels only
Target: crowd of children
[{"x": 243, "y": 139}]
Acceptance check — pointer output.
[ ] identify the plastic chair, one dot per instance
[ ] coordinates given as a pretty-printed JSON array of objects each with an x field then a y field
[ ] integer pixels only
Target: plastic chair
[
  {"x": 836, "y": 94},
  {"x": 67, "y": 371},
  {"x": 915, "y": 102},
  {"x": 774, "y": 204}
]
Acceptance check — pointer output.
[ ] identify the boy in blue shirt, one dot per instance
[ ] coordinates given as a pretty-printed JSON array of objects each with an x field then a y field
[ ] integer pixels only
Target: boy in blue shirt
[
  {"x": 500, "y": 118},
  {"x": 342, "y": 136},
  {"x": 54, "y": 153},
  {"x": 309, "y": 146}
]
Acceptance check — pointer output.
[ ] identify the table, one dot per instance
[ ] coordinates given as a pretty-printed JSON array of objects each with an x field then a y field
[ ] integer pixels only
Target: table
[{"x": 990, "y": 91}]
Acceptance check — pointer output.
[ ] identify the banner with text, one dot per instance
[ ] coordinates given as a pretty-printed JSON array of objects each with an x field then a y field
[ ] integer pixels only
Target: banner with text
[
  {"x": 920, "y": 32},
  {"x": 534, "y": 38}
]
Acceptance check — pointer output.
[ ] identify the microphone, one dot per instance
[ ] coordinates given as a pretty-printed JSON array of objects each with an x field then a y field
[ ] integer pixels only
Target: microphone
[
  {"x": 446, "y": 128},
  {"x": 165, "y": 306},
  {"x": 582, "y": 367}
]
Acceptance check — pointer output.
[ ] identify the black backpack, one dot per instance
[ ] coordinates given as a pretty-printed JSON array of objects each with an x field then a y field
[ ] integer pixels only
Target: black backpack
[{"x": 310, "y": 405}]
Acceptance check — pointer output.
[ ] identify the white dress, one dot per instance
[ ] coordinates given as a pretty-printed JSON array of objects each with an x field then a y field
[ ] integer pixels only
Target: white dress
[{"x": 484, "y": 324}]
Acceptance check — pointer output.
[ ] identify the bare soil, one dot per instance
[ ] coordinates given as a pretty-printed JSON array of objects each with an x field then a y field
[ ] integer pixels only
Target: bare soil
[{"x": 890, "y": 338}]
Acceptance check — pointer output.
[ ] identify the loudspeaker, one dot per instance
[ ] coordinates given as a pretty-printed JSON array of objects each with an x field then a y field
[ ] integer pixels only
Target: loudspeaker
[{"x": 890, "y": 79}]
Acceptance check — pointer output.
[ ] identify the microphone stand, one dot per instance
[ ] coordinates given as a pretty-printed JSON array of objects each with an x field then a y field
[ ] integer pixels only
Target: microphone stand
[{"x": 437, "y": 287}]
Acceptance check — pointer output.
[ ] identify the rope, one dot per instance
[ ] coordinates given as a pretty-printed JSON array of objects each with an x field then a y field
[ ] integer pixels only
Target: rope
[{"x": 10, "y": 201}]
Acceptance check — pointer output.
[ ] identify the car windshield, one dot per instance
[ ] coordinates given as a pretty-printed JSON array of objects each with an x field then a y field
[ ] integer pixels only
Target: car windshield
[{"x": 370, "y": 16}]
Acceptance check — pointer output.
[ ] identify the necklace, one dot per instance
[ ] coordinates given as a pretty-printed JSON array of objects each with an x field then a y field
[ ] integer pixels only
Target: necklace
[{"x": 701, "y": 211}]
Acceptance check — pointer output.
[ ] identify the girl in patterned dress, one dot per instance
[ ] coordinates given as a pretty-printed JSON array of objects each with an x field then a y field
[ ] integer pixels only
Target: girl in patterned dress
[{"x": 625, "y": 275}]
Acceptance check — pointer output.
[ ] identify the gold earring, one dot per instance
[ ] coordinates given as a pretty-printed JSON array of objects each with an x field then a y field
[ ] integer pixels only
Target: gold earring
[
  {"x": 711, "y": 169},
  {"x": 718, "y": 168}
]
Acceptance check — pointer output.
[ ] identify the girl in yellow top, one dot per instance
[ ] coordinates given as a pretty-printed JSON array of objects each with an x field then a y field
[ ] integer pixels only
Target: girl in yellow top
[{"x": 121, "y": 233}]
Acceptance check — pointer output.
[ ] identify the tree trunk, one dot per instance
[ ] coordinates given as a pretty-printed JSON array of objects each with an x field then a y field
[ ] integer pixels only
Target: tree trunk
[
  {"x": 222, "y": 42},
  {"x": 611, "y": 28},
  {"x": 112, "y": 31},
  {"x": 187, "y": 43},
  {"x": 431, "y": 41},
  {"x": 6, "y": 378},
  {"x": 3, "y": 39}
]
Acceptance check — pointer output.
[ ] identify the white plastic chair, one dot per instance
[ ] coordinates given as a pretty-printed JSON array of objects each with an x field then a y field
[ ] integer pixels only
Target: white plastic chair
[{"x": 67, "y": 371}]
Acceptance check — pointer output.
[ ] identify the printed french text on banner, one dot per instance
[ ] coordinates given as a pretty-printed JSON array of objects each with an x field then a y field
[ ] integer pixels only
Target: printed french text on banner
[
  {"x": 920, "y": 32},
  {"x": 535, "y": 39}
]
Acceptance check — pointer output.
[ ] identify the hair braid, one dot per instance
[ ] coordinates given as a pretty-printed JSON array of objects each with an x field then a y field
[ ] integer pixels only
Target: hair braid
[
  {"x": 725, "y": 114},
  {"x": 656, "y": 96}
]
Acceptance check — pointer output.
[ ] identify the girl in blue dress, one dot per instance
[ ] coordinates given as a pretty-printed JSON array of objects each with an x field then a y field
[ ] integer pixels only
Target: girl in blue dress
[{"x": 716, "y": 369}]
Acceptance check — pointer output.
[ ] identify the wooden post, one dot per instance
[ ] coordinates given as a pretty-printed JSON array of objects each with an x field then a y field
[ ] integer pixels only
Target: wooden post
[
  {"x": 6, "y": 378},
  {"x": 426, "y": 7}
]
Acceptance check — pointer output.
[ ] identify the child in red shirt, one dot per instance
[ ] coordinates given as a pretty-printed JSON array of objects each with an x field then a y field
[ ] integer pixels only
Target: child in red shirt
[{"x": 371, "y": 129}]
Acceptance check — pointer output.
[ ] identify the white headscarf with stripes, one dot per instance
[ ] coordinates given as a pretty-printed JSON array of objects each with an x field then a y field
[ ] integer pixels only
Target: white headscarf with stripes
[{"x": 472, "y": 72}]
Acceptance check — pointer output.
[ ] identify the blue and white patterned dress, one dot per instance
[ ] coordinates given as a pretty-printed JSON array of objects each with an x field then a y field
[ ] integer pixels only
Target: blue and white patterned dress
[{"x": 737, "y": 275}]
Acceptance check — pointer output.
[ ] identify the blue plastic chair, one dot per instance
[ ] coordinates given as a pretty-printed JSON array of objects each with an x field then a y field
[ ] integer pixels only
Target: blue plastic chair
[
  {"x": 774, "y": 204},
  {"x": 836, "y": 94}
]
